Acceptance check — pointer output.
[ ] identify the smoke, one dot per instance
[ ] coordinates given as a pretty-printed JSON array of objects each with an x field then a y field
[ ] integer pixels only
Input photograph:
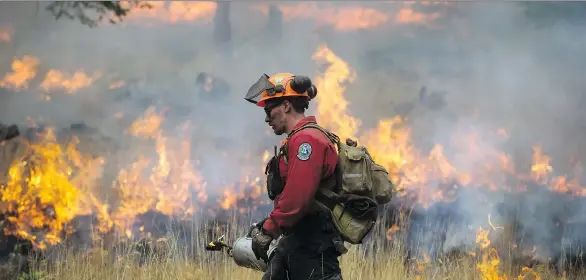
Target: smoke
[
  {"x": 491, "y": 66},
  {"x": 500, "y": 71}
]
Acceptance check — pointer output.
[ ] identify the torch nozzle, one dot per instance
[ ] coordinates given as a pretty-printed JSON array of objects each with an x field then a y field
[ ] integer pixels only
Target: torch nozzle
[{"x": 218, "y": 245}]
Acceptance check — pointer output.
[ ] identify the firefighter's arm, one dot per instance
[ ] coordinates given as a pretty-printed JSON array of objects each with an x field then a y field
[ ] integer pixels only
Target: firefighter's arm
[{"x": 306, "y": 157}]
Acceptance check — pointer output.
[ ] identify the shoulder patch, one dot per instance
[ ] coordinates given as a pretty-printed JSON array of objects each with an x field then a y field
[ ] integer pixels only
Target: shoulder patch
[{"x": 304, "y": 151}]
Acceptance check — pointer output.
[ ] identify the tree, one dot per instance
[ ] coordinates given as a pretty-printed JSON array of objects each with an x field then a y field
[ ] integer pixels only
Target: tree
[{"x": 91, "y": 13}]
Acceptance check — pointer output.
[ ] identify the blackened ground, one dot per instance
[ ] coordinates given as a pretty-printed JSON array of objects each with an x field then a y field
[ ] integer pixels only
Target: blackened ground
[
  {"x": 8, "y": 132},
  {"x": 13, "y": 254}
]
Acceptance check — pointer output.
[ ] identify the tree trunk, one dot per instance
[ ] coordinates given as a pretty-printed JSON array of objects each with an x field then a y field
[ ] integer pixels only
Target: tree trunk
[
  {"x": 275, "y": 23},
  {"x": 222, "y": 26}
]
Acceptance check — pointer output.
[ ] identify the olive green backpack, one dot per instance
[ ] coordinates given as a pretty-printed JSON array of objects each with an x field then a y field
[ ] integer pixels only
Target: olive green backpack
[{"x": 361, "y": 186}]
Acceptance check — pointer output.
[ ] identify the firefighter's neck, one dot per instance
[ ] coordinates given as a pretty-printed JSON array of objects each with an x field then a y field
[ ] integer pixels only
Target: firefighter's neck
[{"x": 292, "y": 121}]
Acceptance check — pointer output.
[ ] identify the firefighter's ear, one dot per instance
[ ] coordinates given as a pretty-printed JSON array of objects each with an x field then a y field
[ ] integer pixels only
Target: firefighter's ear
[{"x": 287, "y": 106}]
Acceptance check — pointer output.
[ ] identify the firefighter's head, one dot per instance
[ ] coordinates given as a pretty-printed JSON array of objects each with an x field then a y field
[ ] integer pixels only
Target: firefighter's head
[{"x": 284, "y": 98}]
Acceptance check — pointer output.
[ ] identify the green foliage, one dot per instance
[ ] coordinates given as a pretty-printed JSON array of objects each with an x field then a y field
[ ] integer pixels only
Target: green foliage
[{"x": 91, "y": 13}]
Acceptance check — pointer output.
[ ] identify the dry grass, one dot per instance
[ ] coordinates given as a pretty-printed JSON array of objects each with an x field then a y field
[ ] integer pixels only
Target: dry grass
[
  {"x": 171, "y": 259},
  {"x": 174, "y": 264}
]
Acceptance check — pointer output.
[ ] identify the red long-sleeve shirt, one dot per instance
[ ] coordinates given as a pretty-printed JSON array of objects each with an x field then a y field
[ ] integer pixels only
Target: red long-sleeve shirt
[{"x": 316, "y": 159}]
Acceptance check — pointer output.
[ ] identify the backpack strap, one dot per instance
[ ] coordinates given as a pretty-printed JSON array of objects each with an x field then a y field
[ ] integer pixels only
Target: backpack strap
[
  {"x": 327, "y": 194},
  {"x": 331, "y": 136}
]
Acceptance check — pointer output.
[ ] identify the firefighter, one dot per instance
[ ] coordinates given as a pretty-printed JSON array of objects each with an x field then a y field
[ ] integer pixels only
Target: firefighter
[
  {"x": 310, "y": 245},
  {"x": 211, "y": 87}
]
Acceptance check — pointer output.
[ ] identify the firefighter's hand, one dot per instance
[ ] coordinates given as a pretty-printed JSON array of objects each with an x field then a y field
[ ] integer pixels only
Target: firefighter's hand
[
  {"x": 261, "y": 223},
  {"x": 260, "y": 244}
]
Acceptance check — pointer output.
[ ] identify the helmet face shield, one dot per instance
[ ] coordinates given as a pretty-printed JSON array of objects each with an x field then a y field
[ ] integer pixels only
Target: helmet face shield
[{"x": 254, "y": 93}]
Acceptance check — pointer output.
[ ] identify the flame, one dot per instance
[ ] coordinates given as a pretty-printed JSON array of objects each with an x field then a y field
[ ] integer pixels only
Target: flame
[
  {"x": 389, "y": 143},
  {"x": 391, "y": 231},
  {"x": 175, "y": 11},
  {"x": 39, "y": 197},
  {"x": 408, "y": 15},
  {"x": 433, "y": 177},
  {"x": 489, "y": 265},
  {"x": 350, "y": 17},
  {"x": 345, "y": 18},
  {"x": 53, "y": 184},
  {"x": 341, "y": 19},
  {"x": 173, "y": 186},
  {"x": 56, "y": 79},
  {"x": 390, "y": 146},
  {"x": 540, "y": 167},
  {"x": 482, "y": 238},
  {"x": 490, "y": 261},
  {"x": 148, "y": 125},
  {"x": 117, "y": 84},
  {"x": 331, "y": 106},
  {"x": 422, "y": 265},
  {"x": 22, "y": 72},
  {"x": 249, "y": 188},
  {"x": 134, "y": 196},
  {"x": 229, "y": 200},
  {"x": 528, "y": 274},
  {"x": 25, "y": 69}
]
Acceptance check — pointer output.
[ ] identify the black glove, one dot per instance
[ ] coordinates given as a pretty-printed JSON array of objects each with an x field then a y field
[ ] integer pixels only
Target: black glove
[
  {"x": 260, "y": 224},
  {"x": 260, "y": 244}
]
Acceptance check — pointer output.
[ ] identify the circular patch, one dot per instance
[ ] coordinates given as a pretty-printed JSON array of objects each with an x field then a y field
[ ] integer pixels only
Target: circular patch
[{"x": 304, "y": 151}]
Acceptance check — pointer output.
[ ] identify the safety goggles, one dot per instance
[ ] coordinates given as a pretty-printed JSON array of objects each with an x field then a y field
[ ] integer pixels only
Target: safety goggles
[{"x": 269, "y": 108}]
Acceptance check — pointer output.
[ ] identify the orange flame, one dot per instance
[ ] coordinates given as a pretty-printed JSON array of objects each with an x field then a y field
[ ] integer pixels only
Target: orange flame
[
  {"x": 248, "y": 188},
  {"x": 540, "y": 167},
  {"x": 22, "y": 72},
  {"x": 173, "y": 185},
  {"x": 490, "y": 261},
  {"x": 345, "y": 18},
  {"x": 391, "y": 231},
  {"x": 117, "y": 84},
  {"x": 408, "y": 15},
  {"x": 148, "y": 125},
  {"x": 40, "y": 196},
  {"x": 430, "y": 178},
  {"x": 174, "y": 12},
  {"x": 331, "y": 106},
  {"x": 58, "y": 80}
]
